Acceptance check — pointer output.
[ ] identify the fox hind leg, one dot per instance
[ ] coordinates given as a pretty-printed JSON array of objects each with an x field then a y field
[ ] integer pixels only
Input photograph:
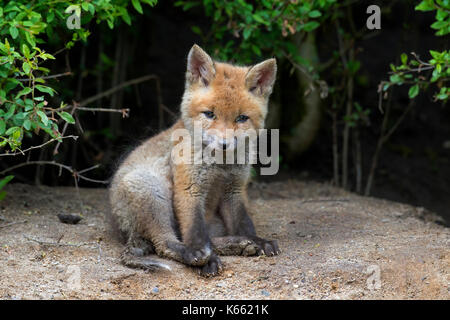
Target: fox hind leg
[
  {"x": 148, "y": 201},
  {"x": 244, "y": 246}
]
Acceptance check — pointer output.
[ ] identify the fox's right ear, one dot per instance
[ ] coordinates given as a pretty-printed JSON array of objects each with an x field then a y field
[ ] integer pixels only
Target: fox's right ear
[
  {"x": 200, "y": 67},
  {"x": 261, "y": 77}
]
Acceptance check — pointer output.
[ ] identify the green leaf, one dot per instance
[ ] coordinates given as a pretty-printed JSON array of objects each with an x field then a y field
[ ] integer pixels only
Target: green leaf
[
  {"x": 67, "y": 117},
  {"x": 314, "y": 14},
  {"x": 247, "y": 32},
  {"x": 396, "y": 79},
  {"x": 126, "y": 17},
  {"x": 353, "y": 66},
  {"x": 25, "y": 51},
  {"x": 413, "y": 91},
  {"x": 110, "y": 24},
  {"x": 5, "y": 180},
  {"x": 2, "y": 126},
  {"x": 425, "y": 6},
  {"x": 11, "y": 131},
  {"x": 91, "y": 8},
  {"x": 50, "y": 17},
  {"x": 137, "y": 6},
  {"x": 196, "y": 30},
  {"x": 439, "y": 25},
  {"x": 48, "y": 56},
  {"x": 26, "y": 67},
  {"x": 404, "y": 58},
  {"x": 435, "y": 54},
  {"x": 13, "y": 31},
  {"x": 43, "y": 117},
  {"x": 259, "y": 19},
  {"x": 442, "y": 96},
  {"x": 256, "y": 50},
  {"x": 23, "y": 92},
  {"x": 310, "y": 26},
  {"x": 27, "y": 124},
  {"x": 30, "y": 39},
  {"x": 10, "y": 112},
  {"x": 441, "y": 15},
  {"x": 17, "y": 135},
  {"x": 435, "y": 75},
  {"x": 45, "y": 89}
]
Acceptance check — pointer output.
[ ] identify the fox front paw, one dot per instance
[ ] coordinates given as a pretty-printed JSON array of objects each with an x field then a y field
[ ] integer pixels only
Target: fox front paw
[
  {"x": 196, "y": 257},
  {"x": 212, "y": 268}
]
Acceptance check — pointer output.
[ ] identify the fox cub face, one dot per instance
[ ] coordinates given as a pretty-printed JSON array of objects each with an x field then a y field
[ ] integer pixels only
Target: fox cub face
[{"x": 225, "y": 100}]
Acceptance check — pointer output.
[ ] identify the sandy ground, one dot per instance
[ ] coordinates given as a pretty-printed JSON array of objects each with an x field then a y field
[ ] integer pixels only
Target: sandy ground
[{"x": 336, "y": 245}]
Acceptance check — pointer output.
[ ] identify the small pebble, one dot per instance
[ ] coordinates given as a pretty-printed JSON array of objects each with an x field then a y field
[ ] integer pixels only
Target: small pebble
[
  {"x": 295, "y": 286},
  {"x": 155, "y": 290},
  {"x": 265, "y": 293},
  {"x": 69, "y": 218}
]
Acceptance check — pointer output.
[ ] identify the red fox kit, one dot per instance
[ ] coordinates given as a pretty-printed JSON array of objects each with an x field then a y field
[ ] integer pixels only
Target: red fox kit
[{"x": 187, "y": 211}]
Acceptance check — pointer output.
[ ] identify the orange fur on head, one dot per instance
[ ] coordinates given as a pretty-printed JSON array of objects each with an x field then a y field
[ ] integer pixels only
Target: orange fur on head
[{"x": 226, "y": 90}]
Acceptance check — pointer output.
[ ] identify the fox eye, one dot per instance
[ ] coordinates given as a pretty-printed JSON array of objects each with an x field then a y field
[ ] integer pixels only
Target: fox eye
[
  {"x": 242, "y": 118},
  {"x": 209, "y": 114}
]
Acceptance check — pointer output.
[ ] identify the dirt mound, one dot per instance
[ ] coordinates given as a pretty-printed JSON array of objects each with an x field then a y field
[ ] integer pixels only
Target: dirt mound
[{"x": 335, "y": 245}]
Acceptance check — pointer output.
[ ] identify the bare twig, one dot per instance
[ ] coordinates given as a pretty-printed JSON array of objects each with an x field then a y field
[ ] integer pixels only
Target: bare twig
[
  {"x": 22, "y": 152},
  {"x": 335, "y": 149},
  {"x": 346, "y": 134},
  {"x": 416, "y": 56},
  {"x": 384, "y": 136},
  {"x": 80, "y": 201},
  {"x": 358, "y": 159},
  {"x": 125, "y": 111},
  {"x": 324, "y": 200},
  {"x": 40, "y": 171},
  {"x": 118, "y": 87},
  {"x": 89, "y": 169},
  {"x": 420, "y": 69},
  {"x": 13, "y": 223},
  {"x": 55, "y": 151},
  {"x": 399, "y": 121},
  {"x": 379, "y": 143},
  {"x": 53, "y": 76},
  {"x": 75, "y": 173},
  {"x": 58, "y": 244},
  {"x": 173, "y": 114},
  {"x": 301, "y": 69}
]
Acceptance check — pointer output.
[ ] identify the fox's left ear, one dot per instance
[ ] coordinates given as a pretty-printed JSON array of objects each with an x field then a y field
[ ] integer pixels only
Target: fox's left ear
[
  {"x": 261, "y": 77},
  {"x": 200, "y": 67}
]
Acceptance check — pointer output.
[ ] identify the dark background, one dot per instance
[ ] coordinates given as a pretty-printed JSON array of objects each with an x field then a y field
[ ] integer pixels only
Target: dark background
[{"x": 414, "y": 164}]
